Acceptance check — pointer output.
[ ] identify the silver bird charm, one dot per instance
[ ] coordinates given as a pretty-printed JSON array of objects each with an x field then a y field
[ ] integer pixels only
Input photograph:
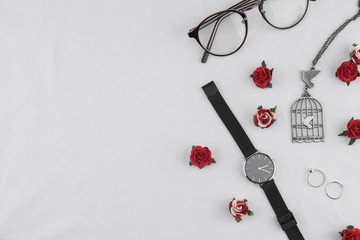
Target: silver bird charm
[
  {"x": 306, "y": 121},
  {"x": 308, "y": 76}
]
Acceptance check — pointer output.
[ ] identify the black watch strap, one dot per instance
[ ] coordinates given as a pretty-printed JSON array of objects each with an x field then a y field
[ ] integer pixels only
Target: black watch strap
[
  {"x": 283, "y": 214},
  {"x": 228, "y": 118}
]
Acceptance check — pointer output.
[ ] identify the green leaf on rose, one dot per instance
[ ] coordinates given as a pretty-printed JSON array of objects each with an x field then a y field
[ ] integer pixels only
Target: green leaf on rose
[
  {"x": 213, "y": 161},
  {"x": 354, "y": 45},
  {"x": 341, "y": 233},
  {"x": 336, "y": 74},
  {"x": 193, "y": 147},
  {"x": 351, "y": 61},
  {"x": 352, "y": 140},
  {"x": 272, "y": 121},
  {"x": 273, "y": 109},
  {"x": 343, "y": 133},
  {"x": 238, "y": 220},
  {"x": 245, "y": 200},
  {"x": 259, "y": 107},
  {"x": 233, "y": 199},
  {"x": 190, "y": 164},
  {"x": 250, "y": 213},
  {"x": 351, "y": 55},
  {"x": 269, "y": 85},
  {"x": 351, "y": 119},
  {"x": 348, "y": 83},
  {"x": 206, "y": 148},
  {"x": 251, "y": 76},
  {"x": 263, "y": 64},
  {"x": 271, "y": 71},
  {"x": 350, "y": 227}
]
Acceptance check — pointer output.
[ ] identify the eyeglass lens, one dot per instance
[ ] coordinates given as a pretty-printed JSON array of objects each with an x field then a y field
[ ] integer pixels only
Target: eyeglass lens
[
  {"x": 284, "y": 13},
  {"x": 223, "y": 36}
]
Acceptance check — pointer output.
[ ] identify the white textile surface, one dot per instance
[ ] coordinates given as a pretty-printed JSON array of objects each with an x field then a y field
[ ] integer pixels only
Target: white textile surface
[{"x": 101, "y": 101}]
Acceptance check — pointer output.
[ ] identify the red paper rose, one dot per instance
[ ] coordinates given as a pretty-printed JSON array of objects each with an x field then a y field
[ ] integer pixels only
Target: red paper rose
[
  {"x": 262, "y": 76},
  {"x": 347, "y": 72},
  {"x": 353, "y": 130},
  {"x": 239, "y": 209},
  {"x": 355, "y": 53},
  {"x": 350, "y": 233},
  {"x": 264, "y": 117},
  {"x": 201, "y": 157}
]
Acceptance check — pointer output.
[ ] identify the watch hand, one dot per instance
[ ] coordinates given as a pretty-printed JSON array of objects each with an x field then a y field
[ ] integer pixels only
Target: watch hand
[
  {"x": 263, "y": 167},
  {"x": 263, "y": 170}
]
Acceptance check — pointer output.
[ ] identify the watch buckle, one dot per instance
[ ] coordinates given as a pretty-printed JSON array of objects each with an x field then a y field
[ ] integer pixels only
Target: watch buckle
[{"x": 287, "y": 221}]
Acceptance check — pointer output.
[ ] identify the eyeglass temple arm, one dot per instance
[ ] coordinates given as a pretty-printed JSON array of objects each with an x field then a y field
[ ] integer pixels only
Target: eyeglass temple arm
[
  {"x": 211, "y": 40},
  {"x": 242, "y": 6}
]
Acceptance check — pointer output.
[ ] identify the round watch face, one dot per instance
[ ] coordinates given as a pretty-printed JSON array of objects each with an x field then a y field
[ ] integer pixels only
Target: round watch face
[{"x": 259, "y": 168}]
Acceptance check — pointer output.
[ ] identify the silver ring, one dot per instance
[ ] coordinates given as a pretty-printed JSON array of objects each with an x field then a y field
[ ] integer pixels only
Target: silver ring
[
  {"x": 315, "y": 170},
  {"x": 340, "y": 194}
]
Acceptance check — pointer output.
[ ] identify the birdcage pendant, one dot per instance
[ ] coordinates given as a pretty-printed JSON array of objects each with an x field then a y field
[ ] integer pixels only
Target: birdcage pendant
[{"x": 307, "y": 120}]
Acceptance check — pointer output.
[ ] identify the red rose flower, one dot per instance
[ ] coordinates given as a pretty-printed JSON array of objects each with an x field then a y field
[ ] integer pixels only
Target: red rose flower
[
  {"x": 239, "y": 209},
  {"x": 351, "y": 234},
  {"x": 353, "y": 129},
  {"x": 355, "y": 53},
  {"x": 264, "y": 117},
  {"x": 262, "y": 76},
  {"x": 347, "y": 72},
  {"x": 201, "y": 157}
]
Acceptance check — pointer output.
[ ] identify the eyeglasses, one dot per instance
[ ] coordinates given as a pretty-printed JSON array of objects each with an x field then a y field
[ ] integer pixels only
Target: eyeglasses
[{"x": 231, "y": 26}]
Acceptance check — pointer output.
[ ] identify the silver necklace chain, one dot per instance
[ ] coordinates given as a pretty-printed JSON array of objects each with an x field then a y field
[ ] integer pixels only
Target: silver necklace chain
[
  {"x": 307, "y": 119},
  {"x": 333, "y": 36}
]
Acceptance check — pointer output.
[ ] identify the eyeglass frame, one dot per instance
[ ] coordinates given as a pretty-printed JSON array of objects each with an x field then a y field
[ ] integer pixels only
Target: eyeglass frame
[{"x": 239, "y": 9}]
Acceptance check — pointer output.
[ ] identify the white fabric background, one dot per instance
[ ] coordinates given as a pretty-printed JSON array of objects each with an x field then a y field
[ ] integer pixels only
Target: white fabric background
[{"x": 101, "y": 100}]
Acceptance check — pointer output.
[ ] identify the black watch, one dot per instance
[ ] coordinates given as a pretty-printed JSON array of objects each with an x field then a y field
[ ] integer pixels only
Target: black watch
[{"x": 259, "y": 168}]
